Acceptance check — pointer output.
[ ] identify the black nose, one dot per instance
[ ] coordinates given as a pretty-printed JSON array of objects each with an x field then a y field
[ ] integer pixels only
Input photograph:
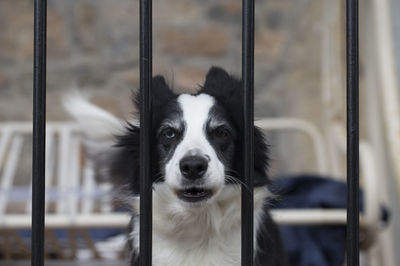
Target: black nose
[{"x": 193, "y": 167}]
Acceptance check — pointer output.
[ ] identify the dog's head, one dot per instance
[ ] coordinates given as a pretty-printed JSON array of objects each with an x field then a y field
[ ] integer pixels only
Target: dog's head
[{"x": 197, "y": 141}]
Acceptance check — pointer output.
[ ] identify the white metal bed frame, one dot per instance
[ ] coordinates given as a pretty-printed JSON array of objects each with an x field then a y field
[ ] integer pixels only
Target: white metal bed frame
[{"x": 76, "y": 189}]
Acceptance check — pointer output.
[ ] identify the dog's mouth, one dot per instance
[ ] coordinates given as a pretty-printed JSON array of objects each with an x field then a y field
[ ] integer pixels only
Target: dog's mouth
[{"x": 194, "y": 194}]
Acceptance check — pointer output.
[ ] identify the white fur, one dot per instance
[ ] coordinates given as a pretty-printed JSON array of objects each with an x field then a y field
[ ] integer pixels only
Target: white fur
[
  {"x": 209, "y": 234},
  {"x": 195, "y": 116}
]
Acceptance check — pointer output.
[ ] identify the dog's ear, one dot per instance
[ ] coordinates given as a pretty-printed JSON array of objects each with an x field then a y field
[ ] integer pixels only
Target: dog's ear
[
  {"x": 216, "y": 80},
  {"x": 160, "y": 92},
  {"x": 227, "y": 90},
  {"x": 220, "y": 84}
]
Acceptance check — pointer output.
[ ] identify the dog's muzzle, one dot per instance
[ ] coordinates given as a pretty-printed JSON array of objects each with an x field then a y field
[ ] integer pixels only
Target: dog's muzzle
[{"x": 193, "y": 168}]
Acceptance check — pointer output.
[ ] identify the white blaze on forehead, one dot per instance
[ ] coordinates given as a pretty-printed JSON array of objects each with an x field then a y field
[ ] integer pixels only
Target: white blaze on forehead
[{"x": 195, "y": 111}]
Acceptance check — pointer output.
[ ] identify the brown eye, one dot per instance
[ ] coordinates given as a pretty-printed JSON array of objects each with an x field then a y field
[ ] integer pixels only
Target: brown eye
[
  {"x": 221, "y": 133},
  {"x": 169, "y": 133}
]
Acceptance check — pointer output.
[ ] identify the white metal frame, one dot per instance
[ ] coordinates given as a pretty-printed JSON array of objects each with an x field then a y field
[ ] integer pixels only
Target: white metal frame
[{"x": 76, "y": 183}]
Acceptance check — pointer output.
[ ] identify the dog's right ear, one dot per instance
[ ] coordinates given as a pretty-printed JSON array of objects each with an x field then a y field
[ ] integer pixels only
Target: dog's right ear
[{"x": 161, "y": 92}]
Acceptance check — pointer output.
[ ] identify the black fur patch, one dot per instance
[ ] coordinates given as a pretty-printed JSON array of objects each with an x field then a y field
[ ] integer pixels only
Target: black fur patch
[
  {"x": 125, "y": 164},
  {"x": 228, "y": 91}
]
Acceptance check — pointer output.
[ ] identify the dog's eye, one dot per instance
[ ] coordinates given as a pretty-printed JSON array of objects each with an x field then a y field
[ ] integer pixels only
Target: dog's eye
[
  {"x": 169, "y": 133},
  {"x": 221, "y": 133}
]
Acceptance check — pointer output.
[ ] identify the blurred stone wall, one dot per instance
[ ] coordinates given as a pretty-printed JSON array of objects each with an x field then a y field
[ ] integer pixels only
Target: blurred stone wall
[{"x": 94, "y": 45}]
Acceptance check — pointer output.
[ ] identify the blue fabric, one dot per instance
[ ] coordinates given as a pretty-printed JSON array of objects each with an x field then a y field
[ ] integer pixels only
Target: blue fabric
[
  {"x": 313, "y": 245},
  {"x": 95, "y": 234}
]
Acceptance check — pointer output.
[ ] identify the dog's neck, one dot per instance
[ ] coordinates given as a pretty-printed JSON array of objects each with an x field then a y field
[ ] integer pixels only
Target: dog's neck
[{"x": 209, "y": 234}]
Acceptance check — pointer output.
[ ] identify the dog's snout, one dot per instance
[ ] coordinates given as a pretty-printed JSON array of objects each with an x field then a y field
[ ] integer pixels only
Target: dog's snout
[{"x": 193, "y": 167}]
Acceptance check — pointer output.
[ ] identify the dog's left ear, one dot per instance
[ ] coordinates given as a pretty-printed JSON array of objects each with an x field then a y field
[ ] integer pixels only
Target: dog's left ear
[
  {"x": 227, "y": 90},
  {"x": 220, "y": 84}
]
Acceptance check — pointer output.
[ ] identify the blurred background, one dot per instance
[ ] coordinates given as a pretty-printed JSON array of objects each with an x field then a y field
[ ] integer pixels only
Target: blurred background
[{"x": 93, "y": 45}]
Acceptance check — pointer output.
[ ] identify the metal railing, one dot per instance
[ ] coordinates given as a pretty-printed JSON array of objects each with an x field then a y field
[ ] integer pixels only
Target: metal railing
[
  {"x": 353, "y": 207},
  {"x": 145, "y": 233},
  {"x": 39, "y": 125},
  {"x": 248, "y": 137},
  {"x": 39, "y": 132}
]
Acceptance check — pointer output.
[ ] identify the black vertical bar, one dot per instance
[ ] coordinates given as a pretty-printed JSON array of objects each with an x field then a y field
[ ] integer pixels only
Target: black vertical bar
[
  {"x": 248, "y": 118},
  {"x": 352, "y": 135},
  {"x": 145, "y": 132},
  {"x": 39, "y": 133}
]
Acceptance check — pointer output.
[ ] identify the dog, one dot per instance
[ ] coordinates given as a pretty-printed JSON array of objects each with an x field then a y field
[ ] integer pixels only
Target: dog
[{"x": 197, "y": 174}]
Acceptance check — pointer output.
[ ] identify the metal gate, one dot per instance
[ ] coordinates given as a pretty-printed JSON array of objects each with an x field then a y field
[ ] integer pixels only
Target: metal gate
[{"x": 39, "y": 126}]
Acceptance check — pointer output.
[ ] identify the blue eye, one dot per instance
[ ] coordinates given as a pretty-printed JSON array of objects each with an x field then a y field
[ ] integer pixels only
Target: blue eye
[{"x": 169, "y": 133}]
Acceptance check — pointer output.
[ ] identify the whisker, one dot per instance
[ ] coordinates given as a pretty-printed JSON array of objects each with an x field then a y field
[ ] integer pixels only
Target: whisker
[
  {"x": 235, "y": 185},
  {"x": 160, "y": 176},
  {"x": 232, "y": 171},
  {"x": 232, "y": 178}
]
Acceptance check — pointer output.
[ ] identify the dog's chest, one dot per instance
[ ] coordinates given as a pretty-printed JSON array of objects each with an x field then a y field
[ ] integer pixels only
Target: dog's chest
[
  {"x": 207, "y": 250},
  {"x": 203, "y": 236}
]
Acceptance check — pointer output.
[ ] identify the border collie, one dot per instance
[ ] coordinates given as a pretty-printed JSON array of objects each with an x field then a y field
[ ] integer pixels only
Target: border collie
[{"x": 197, "y": 171}]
